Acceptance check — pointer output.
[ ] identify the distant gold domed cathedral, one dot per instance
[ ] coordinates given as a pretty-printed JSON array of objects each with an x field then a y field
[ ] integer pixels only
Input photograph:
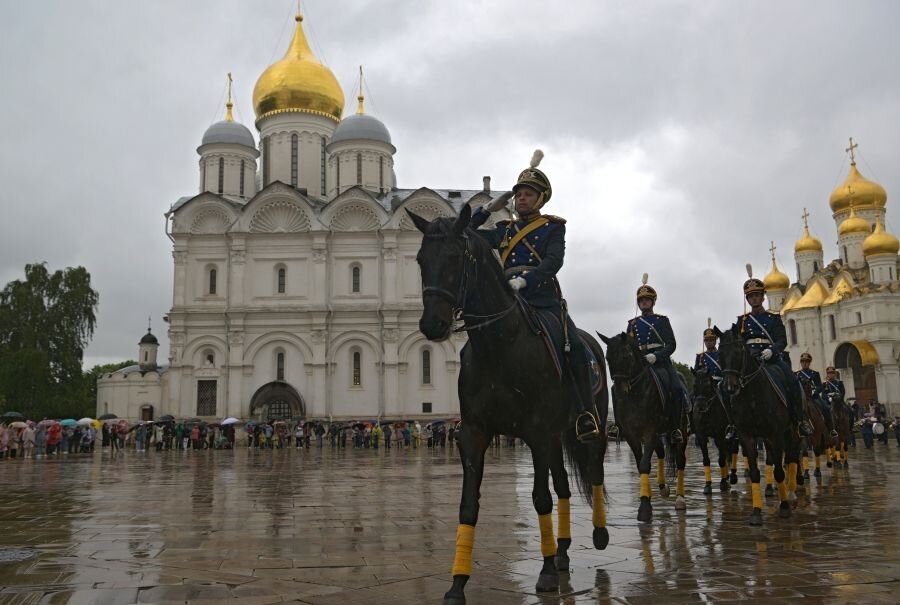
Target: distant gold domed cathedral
[
  {"x": 847, "y": 313},
  {"x": 295, "y": 285}
]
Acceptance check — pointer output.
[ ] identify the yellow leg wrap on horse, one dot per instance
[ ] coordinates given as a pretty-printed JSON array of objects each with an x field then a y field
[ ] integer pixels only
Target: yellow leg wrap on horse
[
  {"x": 599, "y": 517},
  {"x": 679, "y": 482},
  {"x": 734, "y": 461},
  {"x": 660, "y": 472},
  {"x": 818, "y": 462},
  {"x": 782, "y": 491},
  {"x": 746, "y": 464},
  {"x": 724, "y": 472},
  {"x": 645, "y": 485},
  {"x": 756, "y": 490},
  {"x": 548, "y": 542},
  {"x": 805, "y": 463},
  {"x": 465, "y": 540},
  {"x": 562, "y": 515},
  {"x": 845, "y": 453},
  {"x": 770, "y": 474},
  {"x": 830, "y": 453},
  {"x": 792, "y": 476},
  {"x": 707, "y": 474}
]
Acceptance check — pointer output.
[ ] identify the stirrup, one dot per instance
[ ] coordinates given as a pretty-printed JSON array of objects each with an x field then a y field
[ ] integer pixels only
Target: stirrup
[
  {"x": 730, "y": 432},
  {"x": 834, "y": 433},
  {"x": 804, "y": 429},
  {"x": 676, "y": 436},
  {"x": 591, "y": 435}
]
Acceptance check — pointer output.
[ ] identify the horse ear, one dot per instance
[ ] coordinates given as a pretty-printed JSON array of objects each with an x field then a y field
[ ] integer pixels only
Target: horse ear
[
  {"x": 462, "y": 221},
  {"x": 717, "y": 331},
  {"x": 603, "y": 338},
  {"x": 420, "y": 223}
]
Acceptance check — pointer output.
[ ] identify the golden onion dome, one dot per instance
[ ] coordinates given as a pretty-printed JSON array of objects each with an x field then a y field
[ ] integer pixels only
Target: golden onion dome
[
  {"x": 807, "y": 243},
  {"x": 880, "y": 242},
  {"x": 298, "y": 83},
  {"x": 859, "y": 189},
  {"x": 853, "y": 224},
  {"x": 776, "y": 280}
]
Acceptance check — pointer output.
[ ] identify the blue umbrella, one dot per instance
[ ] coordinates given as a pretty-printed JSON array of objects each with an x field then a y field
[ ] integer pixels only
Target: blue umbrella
[{"x": 68, "y": 422}]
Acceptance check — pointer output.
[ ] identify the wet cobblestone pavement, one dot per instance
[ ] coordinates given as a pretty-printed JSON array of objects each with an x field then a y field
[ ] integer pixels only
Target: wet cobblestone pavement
[{"x": 342, "y": 527}]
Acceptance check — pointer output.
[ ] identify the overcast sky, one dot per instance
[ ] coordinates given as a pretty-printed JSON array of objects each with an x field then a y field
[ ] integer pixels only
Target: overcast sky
[{"x": 680, "y": 137}]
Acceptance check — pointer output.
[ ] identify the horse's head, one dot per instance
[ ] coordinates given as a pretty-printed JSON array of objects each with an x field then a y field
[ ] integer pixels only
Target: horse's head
[
  {"x": 623, "y": 356},
  {"x": 444, "y": 259},
  {"x": 734, "y": 357}
]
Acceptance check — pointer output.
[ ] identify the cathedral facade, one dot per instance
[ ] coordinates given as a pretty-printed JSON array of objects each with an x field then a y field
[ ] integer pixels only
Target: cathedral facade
[
  {"x": 296, "y": 290},
  {"x": 846, "y": 313}
]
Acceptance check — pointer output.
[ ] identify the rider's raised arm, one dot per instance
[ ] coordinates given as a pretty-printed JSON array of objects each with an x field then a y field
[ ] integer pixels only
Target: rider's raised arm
[{"x": 492, "y": 236}]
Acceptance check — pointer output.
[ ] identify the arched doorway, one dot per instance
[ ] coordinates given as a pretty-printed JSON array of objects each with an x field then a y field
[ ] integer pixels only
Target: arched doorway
[
  {"x": 277, "y": 400},
  {"x": 860, "y": 358}
]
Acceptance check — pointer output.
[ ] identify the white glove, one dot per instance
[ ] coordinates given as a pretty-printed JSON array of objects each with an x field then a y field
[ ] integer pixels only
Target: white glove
[
  {"x": 651, "y": 358},
  {"x": 766, "y": 354},
  {"x": 517, "y": 283},
  {"x": 498, "y": 202}
]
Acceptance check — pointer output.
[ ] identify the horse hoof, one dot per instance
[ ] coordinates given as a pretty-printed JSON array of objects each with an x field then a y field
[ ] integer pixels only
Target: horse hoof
[
  {"x": 601, "y": 538},
  {"x": 806, "y": 474},
  {"x": 829, "y": 464},
  {"x": 746, "y": 472},
  {"x": 561, "y": 562},
  {"x": 770, "y": 491},
  {"x": 645, "y": 511},
  {"x": 664, "y": 490},
  {"x": 817, "y": 473},
  {"x": 724, "y": 486},
  {"x": 784, "y": 510},
  {"x": 680, "y": 504},
  {"x": 547, "y": 583},
  {"x": 846, "y": 464},
  {"x": 756, "y": 517},
  {"x": 732, "y": 479},
  {"x": 453, "y": 600},
  {"x": 707, "y": 489}
]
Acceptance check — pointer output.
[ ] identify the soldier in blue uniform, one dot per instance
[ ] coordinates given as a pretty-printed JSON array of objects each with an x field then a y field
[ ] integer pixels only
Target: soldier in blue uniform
[
  {"x": 766, "y": 338},
  {"x": 833, "y": 385},
  {"x": 806, "y": 374},
  {"x": 656, "y": 340},
  {"x": 532, "y": 251},
  {"x": 709, "y": 359}
]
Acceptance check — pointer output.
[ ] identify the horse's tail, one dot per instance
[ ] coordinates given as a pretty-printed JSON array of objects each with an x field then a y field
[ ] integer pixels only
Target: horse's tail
[{"x": 578, "y": 456}]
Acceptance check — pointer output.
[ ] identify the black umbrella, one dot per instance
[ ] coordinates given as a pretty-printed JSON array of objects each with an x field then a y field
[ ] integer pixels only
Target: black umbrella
[
  {"x": 107, "y": 417},
  {"x": 12, "y": 415},
  {"x": 166, "y": 418}
]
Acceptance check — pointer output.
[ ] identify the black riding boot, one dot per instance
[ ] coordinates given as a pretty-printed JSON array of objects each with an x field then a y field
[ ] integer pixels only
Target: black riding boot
[
  {"x": 586, "y": 425},
  {"x": 829, "y": 420},
  {"x": 797, "y": 416}
]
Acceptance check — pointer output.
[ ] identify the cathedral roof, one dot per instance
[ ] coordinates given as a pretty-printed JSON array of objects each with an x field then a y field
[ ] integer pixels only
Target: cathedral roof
[
  {"x": 853, "y": 224},
  {"x": 880, "y": 242},
  {"x": 858, "y": 189},
  {"x": 228, "y": 132},
  {"x": 149, "y": 339},
  {"x": 361, "y": 126},
  {"x": 298, "y": 82},
  {"x": 776, "y": 280},
  {"x": 814, "y": 296}
]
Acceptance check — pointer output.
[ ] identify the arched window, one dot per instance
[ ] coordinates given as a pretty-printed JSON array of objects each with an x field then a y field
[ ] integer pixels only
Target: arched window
[
  {"x": 209, "y": 357},
  {"x": 282, "y": 280},
  {"x": 355, "y": 279},
  {"x": 792, "y": 327},
  {"x": 323, "y": 168},
  {"x": 337, "y": 175},
  {"x": 357, "y": 369},
  {"x": 815, "y": 266},
  {"x": 359, "y": 169},
  {"x": 146, "y": 356},
  {"x": 381, "y": 172},
  {"x": 212, "y": 280},
  {"x": 265, "y": 153},
  {"x": 832, "y": 331},
  {"x": 426, "y": 366},
  {"x": 221, "y": 175},
  {"x": 844, "y": 250},
  {"x": 243, "y": 168},
  {"x": 279, "y": 366},
  {"x": 293, "y": 160},
  {"x": 203, "y": 175}
]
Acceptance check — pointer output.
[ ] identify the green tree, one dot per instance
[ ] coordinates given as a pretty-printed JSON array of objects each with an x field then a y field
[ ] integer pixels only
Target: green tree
[
  {"x": 685, "y": 371},
  {"x": 46, "y": 321}
]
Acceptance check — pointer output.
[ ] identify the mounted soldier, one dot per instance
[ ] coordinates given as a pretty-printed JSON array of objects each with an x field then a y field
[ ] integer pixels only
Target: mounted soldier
[
  {"x": 766, "y": 338},
  {"x": 656, "y": 340},
  {"x": 709, "y": 360},
  {"x": 807, "y": 374},
  {"x": 532, "y": 250}
]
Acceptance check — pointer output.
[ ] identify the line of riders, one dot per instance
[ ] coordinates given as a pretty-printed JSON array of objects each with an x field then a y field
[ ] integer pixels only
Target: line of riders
[{"x": 532, "y": 249}]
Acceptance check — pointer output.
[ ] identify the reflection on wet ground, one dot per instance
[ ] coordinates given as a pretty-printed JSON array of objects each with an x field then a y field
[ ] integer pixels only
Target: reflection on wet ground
[{"x": 323, "y": 526}]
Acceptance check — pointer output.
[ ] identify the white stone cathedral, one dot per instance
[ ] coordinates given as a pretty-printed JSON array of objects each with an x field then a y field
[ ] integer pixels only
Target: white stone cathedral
[
  {"x": 847, "y": 313},
  {"x": 296, "y": 290}
]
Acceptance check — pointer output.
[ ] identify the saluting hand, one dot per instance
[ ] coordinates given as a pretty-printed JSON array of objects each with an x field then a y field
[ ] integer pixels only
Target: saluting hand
[{"x": 498, "y": 202}]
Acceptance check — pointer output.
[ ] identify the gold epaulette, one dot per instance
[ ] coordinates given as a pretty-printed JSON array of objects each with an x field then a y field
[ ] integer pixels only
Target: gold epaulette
[{"x": 555, "y": 219}]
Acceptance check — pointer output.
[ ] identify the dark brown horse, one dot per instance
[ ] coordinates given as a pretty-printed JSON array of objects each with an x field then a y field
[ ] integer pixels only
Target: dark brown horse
[
  {"x": 843, "y": 426},
  {"x": 711, "y": 420},
  {"x": 643, "y": 419},
  {"x": 758, "y": 412},
  {"x": 509, "y": 385}
]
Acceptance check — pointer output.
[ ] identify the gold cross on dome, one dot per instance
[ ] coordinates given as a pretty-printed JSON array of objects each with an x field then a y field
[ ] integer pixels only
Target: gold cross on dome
[
  {"x": 851, "y": 150},
  {"x": 772, "y": 249},
  {"x": 805, "y": 218}
]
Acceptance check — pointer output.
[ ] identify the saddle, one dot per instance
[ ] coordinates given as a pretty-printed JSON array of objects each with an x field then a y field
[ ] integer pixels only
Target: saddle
[
  {"x": 777, "y": 378},
  {"x": 548, "y": 325}
]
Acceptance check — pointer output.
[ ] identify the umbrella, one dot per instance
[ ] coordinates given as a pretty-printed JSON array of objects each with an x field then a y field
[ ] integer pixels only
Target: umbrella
[
  {"x": 48, "y": 422},
  {"x": 107, "y": 417},
  {"x": 18, "y": 424},
  {"x": 12, "y": 416},
  {"x": 85, "y": 421},
  {"x": 166, "y": 418},
  {"x": 230, "y": 420},
  {"x": 66, "y": 422}
]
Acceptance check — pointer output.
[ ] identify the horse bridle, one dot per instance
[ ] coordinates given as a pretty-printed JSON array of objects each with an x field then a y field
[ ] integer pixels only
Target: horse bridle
[
  {"x": 458, "y": 301},
  {"x": 743, "y": 380}
]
